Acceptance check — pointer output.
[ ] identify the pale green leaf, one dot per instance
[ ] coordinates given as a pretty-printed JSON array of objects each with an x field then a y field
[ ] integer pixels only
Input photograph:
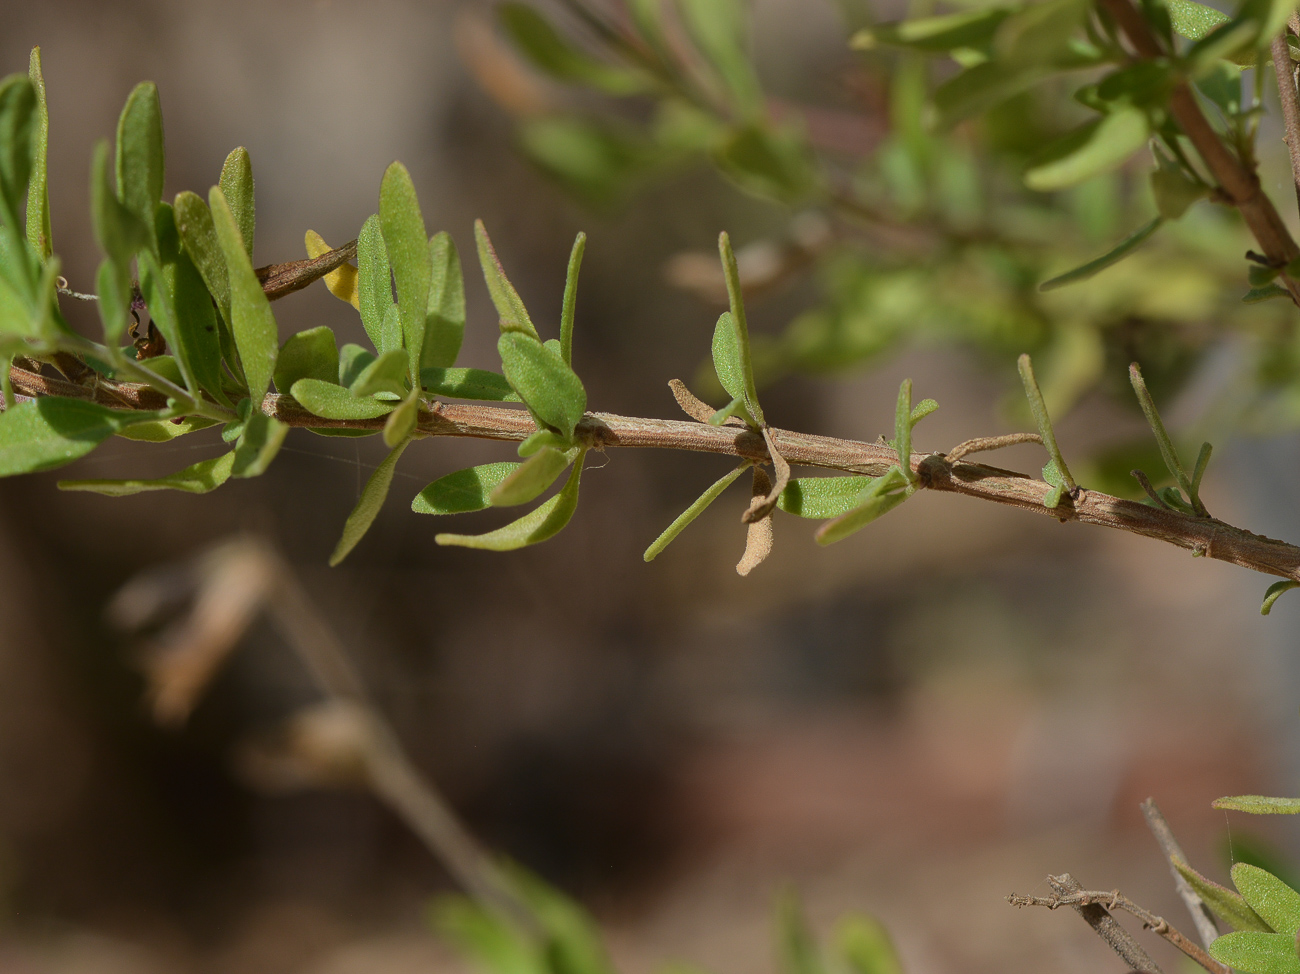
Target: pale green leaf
[
  {"x": 1226, "y": 904},
  {"x": 199, "y": 238},
  {"x": 691, "y": 513},
  {"x": 236, "y": 184},
  {"x": 444, "y": 323},
  {"x": 1273, "y": 594},
  {"x": 53, "y": 430},
  {"x": 407, "y": 245},
  {"x": 204, "y": 476},
  {"x": 532, "y": 478},
  {"x": 551, "y": 390},
  {"x": 1097, "y": 147},
  {"x": 797, "y": 951},
  {"x": 385, "y": 374},
  {"x": 328, "y": 401},
  {"x": 878, "y": 498},
  {"x": 310, "y": 354},
  {"x": 821, "y": 497},
  {"x": 18, "y": 107},
  {"x": 1277, "y": 904},
  {"x": 401, "y": 421},
  {"x": 866, "y": 946},
  {"x": 973, "y": 29},
  {"x": 726, "y": 357},
  {"x": 543, "y": 522},
  {"x": 369, "y": 504},
  {"x": 1113, "y": 256},
  {"x": 258, "y": 444},
  {"x": 570, "y": 298},
  {"x": 1259, "y": 805},
  {"x": 38, "y": 194},
  {"x": 197, "y": 335},
  {"x": 510, "y": 308},
  {"x": 374, "y": 281},
  {"x": 462, "y": 491},
  {"x": 1253, "y": 952},
  {"x": 140, "y": 159},
  {"x": 468, "y": 384},
  {"x": 1194, "y": 20}
]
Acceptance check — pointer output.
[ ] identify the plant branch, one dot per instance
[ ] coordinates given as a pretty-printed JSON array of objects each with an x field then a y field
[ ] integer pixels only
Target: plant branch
[
  {"x": 1237, "y": 182},
  {"x": 1201, "y": 915},
  {"x": 1203, "y": 536},
  {"x": 1089, "y": 905},
  {"x": 1286, "y": 92}
]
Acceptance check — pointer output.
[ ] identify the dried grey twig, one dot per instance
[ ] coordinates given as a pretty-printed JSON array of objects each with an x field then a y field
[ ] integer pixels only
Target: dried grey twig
[{"x": 1206, "y": 928}]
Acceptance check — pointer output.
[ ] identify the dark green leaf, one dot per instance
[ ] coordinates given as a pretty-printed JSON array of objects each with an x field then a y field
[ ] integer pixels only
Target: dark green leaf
[
  {"x": 53, "y": 430},
  {"x": 543, "y": 522},
  {"x": 385, "y": 374},
  {"x": 1258, "y": 294},
  {"x": 200, "y": 478},
  {"x": 18, "y": 108},
  {"x": 1095, "y": 148},
  {"x": 368, "y": 505},
  {"x": 444, "y": 324},
  {"x": 329, "y": 401},
  {"x": 258, "y": 444},
  {"x": 113, "y": 286},
  {"x": 140, "y": 160},
  {"x": 468, "y": 384},
  {"x": 532, "y": 478},
  {"x": 408, "y": 250},
  {"x": 237, "y": 186},
  {"x": 1113, "y": 256},
  {"x": 38, "y": 194},
  {"x": 866, "y": 947},
  {"x": 374, "y": 281},
  {"x": 552, "y": 53},
  {"x": 199, "y": 239},
  {"x": 973, "y": 29},
  {"x": 510, "y": 308},
  {"x": 158, "y": 296},
  {"x": 718, "y": 29},
  {"x": 353, "y": 360},
  {"x": 903, "y": 429},
  {"x": 310, "y": 354},
  {"x": 197, "y": 337},
  {"x": 462, "y": 491},
  {"x": 821, "y": 497},
  {"x": 252, "y": 322},
  {"x": 571, "y": 298},
  {"x": 1259, "y": 805},
  {"x": 1257, "y": 953},
  {"x": 550, "y": 389},
  {"x": 1273, "y": 594},
  {"x": 1226, "y": 904}
]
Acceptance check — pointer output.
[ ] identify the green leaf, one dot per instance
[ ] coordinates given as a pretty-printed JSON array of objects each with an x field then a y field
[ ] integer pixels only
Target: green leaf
[
  {"x": 165, "y": 430},
  {"x": 374, "y": 281},
  {"x": 718, "y": 29},
  {"x": 353, "y": 360},
  {"x": 734, "y": 408},
  {"x": 1273, "y": 594},
  {"x": 199, "y": 238},
  {"x": 878, "y": 498},
  {"x": 797, "y": 951},
  {"x": 310, "y": 354},
  {"x": 510, "y": 308},
  {"x": 540, "y": 440},
  {"x": 981, "y": 87},
  {"x": 368, "y": 505},
  {"x": 328, "y": 401},
  {"x": 408, "y": 252},
  {"x": 462, "y": 491},
  {"x": 821, "y": 497},
  {"x": 691, "y": 513},
  {"x": 550, "y": 389},
  {"x": 1226, "y": 904},
  {"x": 1253, "y": 952},
  {"x": 726, "y": 357},
  {"x": 532, "y": 478},
  {"x": 1259, "y": 805},
  {"x": 18, "y": 108},
  {"x": 197, "y": 335},
  {"x": 492, "y": 942},
  {"x": 731, "y": 273},
  {"x": 543, "y": 522},
  {"x": 903, "y": 430},
  {"x": 769, "y": 163},
  {"x": 113, "y": 287},
  {"x": 572, "y": 941},
  {"x": 1258, "y": 294},
  {"x": 236, "y": 184},
  {"x": 118, "y": 230},
  {"x": 1277, "y": 904},
  {"x": 158, "y": 296},
  {"x": 549, "y": 51},
  {"x": 38, "y": 193},
  {"x": 140, "y": 159},
  {"x": 401, "y": 421},
  {"x": 385, "y": 374},
  {"x": 1113, "y": 256},
  {"x": 1039, "y": 33},
  {"x": 1194, "y": 20},
  {"x": 1097, "y": 147},
  {"x": 468, "y": 384},
  {"x": 571, "y": 297},
  {"x": 258, "y": 444},
  {"x": 866, "y": 947},
  {"x": 200, "y": 478},
  {"x": 444, "y": 323},
  {"x": 252, "y": 322},
  {"x": 972, "y": 29},
  {"x": 54, "y": 430}
]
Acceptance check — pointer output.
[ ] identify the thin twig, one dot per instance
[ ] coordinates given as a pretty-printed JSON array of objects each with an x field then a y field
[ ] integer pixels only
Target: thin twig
[
  {"x": 1203, "y": 919},
  {"x": 1089, "y": 903},
  {"x": 980, "y": 444},
  {"x": 1150, "y": 490}
]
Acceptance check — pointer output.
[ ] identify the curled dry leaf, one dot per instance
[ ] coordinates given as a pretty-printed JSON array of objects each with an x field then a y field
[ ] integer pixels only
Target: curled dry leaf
[
  {"x": 761, "y": 506},
  {"x": 231, "y": 584},
  {"x": 758, "y": 538},
  {"x": 325, "y": 745},
  {"x": 697, "y": 409}
]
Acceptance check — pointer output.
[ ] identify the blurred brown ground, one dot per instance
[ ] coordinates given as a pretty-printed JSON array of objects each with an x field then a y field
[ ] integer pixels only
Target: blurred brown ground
[{"x": 913, "y": 723}]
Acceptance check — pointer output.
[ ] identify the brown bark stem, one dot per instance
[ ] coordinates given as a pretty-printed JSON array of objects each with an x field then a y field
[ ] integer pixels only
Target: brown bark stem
[{"x": 1286, "y": 93}]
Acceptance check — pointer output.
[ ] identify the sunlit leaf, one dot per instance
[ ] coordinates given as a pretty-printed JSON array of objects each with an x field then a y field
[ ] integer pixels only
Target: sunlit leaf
[
  {"x": 1194, "y": 20},
  {"x": 1273, "y": 594},
  {"x": 368, "y": 504},
  {"x": 1257, "y": 953},
  {"x": 972, "y": 29},
  {"x": 821, "y": 497},
  {"x": 237, "y": 186},
  {"x": 258, "y": 444},
  {"x": 444, "y": 323},
  {"x": 879, "y": 497},
  {"x": 1226, "y": 904},
  {"x": 140, "y": 159},
  {"x": 310, "y": 354},
  {"x": 385, "y": 374},
  {"x": 510, "y": 308},
  {"x": 251, "y": 320},
  {"x": 569, "y": 306},
  {"x": 1095, "y": 148},
  {"x": 468, "y": 384},
  {"x": 540, "y": 524},
  {"x": 1259, "y": 805},
  {"x": 726, "y": 357},
  {"x": 487, "y": 938},
  {"x": 407, "y": 245},
  {"x": 550, "y": 389},
  {"x": 462, "y": 491},
  {"x": 38, "y": 194},
  {"x": 1277, "y": 904},
  {"x": 328, "y": 401},
  {"x": 402, "y": 421},
  {"x": 532, "y": 478},
  {"x": 374, "y": 281},
  {"x": 204, "y": 476},
  {"x": 54, "y": 430}
]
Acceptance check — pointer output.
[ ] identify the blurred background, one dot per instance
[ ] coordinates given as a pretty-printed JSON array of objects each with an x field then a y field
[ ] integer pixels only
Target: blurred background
[{"x": 911, "y": 724}]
